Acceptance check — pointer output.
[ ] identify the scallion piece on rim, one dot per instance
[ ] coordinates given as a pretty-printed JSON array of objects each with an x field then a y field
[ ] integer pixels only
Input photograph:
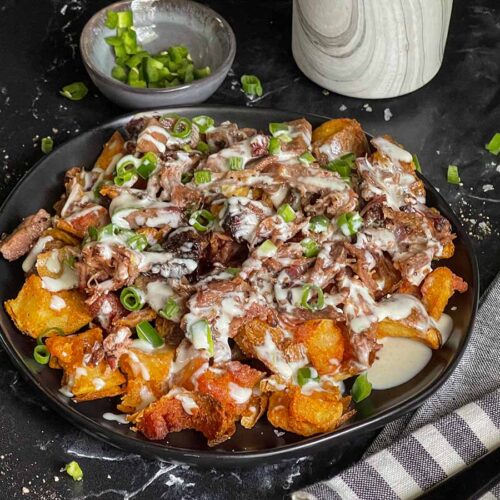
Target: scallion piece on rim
[
  {"x": 47, "y": 145},
  {"x": 274, "y": 146},
  {"x": 251, "y": 85},
  {"x": 287, "y": 213},
  {"x": 494, "y": 145},
  {"x": 132, "y": 298},
  {"x": 361, "y": 388},
  {"x": 306, "y": 374},
  {"x": 200, "y": 335},
  {"x": 202, "y": 176},
  {"x": 350, "y": 223},
  {"x": 203, "y": 122},
  {"x": 319, "y": 224},
  {"x": 267, "y": 249},
  {"x": 418, "y": 167},
  {"x": 146, "y": 331},
  {"x": 307, "y": 158},
  {"x": 308, "y": 293},
  {"x": 74, "y": 470},
  {"x": 311, "y": 248},
  {"x": 201, "y": 220},
  {"x": 453, "y": 177},
  {"x": 170, "y": 309},
  {"x": 235, "y": 163},
  {"x": 41, "y": 354},
  {"x": 75, "y": 91}
]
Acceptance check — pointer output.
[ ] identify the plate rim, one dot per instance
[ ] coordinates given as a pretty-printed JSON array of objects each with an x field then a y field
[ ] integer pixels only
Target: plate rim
[{"x": 225, "y": 458}]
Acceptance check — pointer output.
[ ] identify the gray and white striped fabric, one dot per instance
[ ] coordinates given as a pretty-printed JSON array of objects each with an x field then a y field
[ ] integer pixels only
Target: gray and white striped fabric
[{"x": 456, "y": 426}]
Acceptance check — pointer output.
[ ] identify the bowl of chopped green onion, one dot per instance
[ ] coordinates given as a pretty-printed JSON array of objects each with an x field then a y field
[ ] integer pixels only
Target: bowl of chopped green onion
[{"x": 157, "y": 53}]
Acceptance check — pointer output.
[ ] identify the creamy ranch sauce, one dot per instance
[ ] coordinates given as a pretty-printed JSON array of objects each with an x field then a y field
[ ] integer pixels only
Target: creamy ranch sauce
[{"x": 400, "y": 359}]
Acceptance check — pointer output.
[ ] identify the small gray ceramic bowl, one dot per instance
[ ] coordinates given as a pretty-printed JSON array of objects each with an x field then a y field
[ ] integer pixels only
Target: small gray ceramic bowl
[{"x": 159, "y": 25}]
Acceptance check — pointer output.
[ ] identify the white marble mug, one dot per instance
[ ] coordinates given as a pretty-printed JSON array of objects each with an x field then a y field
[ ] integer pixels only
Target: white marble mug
[{"x": 370, "y": 48}]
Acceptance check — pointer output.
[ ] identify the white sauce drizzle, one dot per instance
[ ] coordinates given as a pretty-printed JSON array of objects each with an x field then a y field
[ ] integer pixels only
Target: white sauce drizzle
[
  {"x": 113, "y": 417},
  {"x": 57, "y": 303}
]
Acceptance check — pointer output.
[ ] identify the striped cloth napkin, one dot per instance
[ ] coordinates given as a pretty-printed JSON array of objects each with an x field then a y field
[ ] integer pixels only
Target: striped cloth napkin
[{"x": 456, "y": 426}]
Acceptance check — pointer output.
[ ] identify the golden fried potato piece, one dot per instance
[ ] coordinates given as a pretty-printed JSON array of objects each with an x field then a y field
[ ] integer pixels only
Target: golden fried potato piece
[
  {"x": 307, "y": 414},
  {"x": 87, "y": 375},
  {"x": 324, "y": 342},
  {"x": 392, "y": 328},
  {"x": 146, "y": 374},
  {"x": 337, "y": 137},
  {"x": 112, "y": 148},
  {"x": 255, "y": 409},
  {"x": 448, "y": 251},
  {"x": 51, "y": 262},
  {"x": 253, "y": 334},
  {"x": 437, "y": 289},
  {"x": 168, "y": 414},
  {"x": 63, "y": 236},
  {"x": 109, "y": 191},
  {"x": 78, "y": 223},
  {"x": 32, "y": 313}
]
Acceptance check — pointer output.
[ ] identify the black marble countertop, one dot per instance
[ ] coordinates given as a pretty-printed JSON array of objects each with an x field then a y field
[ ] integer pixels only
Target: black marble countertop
[{"x": 447, "y": 122}]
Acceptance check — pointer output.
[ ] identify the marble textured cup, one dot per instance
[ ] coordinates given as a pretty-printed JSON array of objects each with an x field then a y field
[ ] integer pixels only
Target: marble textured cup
[
  {"x": 160, "y": 24},
  {"x": 370, "y": 48}
]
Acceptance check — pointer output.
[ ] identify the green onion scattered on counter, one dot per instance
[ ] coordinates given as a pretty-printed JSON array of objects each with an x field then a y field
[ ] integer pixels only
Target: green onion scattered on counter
[
  {"x": 201, "y": 220},
  {"x": 75, "y": 91},
  {"x": 132, "y": 298},
  {"x": 251, "y": 85},
  {"x": 235, "y": 163},
  {"x": 139, "y": 68},
  {"x": 170, "y": 309},
  {"x": 307, "y": 293},
  {"x": 287, "y": 213},
  {"x": 494, "y": 145},
  {"x": 418, "y": 167},
  {"x": 74, "y": 470},
  {"x": 306, "y": 374},
  {"x": 350, "y": 223},
  {"x": 319, "y": 224},
  {"x": 267, "y": 249},
  {"x": 146, "y": 331},
  {"x": 47, "y": 145},
  {"x": 203, "y": 122},
  {"x": 361, "y": 388},
  {"x": 307, "y": 158},
  {"x": 311, "y": 248},
  {"x": 41, "y": 354},
  {"x": 453, "y": 177}
]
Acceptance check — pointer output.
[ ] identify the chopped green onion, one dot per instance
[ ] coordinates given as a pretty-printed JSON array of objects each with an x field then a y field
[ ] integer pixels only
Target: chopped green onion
[
  {"x": 111, "y": 19},
  {"x": 233, "y": 270},
  {"x": 251, "y": 85},
  {"x": 178, "y": 53},
  {"x": 201, "y": 220},
  {"x": 494, "y": 145},
  {"x": 361, "y": 388},
  {"x": 202, "y": 176},
  {"x": 200, "y": 335},
  {"x": 307, "y": 292},
  {"x": 125, "y": 19},
  {"x": 350, "y": 223},
  {"x": 186, "y": 177},
  {"x": 170, "y": 309},
  {"x": 453, "y": 177},
  {"x": 114, "y": 41},
  {"x": 50, "y": 332},
  {"x": 182, "y": 128},
  {"x": 132, "y": 298},
  {"x": 203, "y": 122},
  {"x": 267, "y": 249},
  {"x": 311, "y": 248},
  {"x": 47, "y": 145},
  {"x": 274, "y": 146},
  {"x": 418, "y": 167},
  {"x": 202, "y": 72},
  {"x": 235, "y": 163},
  {"x": 92, "y": 230},
  {"x": 126, "y": 165},
  {"x": 306, "y": 374},
  {"x": 307, "y": 158},
  {"x": 119, "y": 73},
  {"x": 109, "y": 230},
  {"x": 148, "y": 165},
  {"x": 41, "y": 354},
  {"x": 75, "y": 91},
  {"x": 70, "y": 261},
  {"x": 278, "y": 129},
  {"x": 342, "y": 165},
  {"x": 202, "y": 147},
  {"x": 287, "y": 213},
  {"x": 74, "y": 470},
  {"x": 121, "y": 180},
  {"x": 129, "y": 38},
  {"x": 138, "y": 242},
  {"x": 146, "y": 331},
  {"x": 319, "y": 224}
]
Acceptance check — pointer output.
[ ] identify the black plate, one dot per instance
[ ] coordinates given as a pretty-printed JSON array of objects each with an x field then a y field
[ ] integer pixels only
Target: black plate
[{"x": 42, "y": 186}]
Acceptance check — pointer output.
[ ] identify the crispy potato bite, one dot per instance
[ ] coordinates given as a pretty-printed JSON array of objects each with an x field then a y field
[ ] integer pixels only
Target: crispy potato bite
[
  {"x": 392, "y": 328},
  {"x": 32, "y": 313},
  {"x": 307, "y": 414},
  {"x": 87, "y": 375},
  {"x": 110, "y": 150},
  {"x": 79, "y": 223},
  {"x": 437, "y": 289},
  {"x": 146, "y": 374},
  {"x": 324, "y": 342}
]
